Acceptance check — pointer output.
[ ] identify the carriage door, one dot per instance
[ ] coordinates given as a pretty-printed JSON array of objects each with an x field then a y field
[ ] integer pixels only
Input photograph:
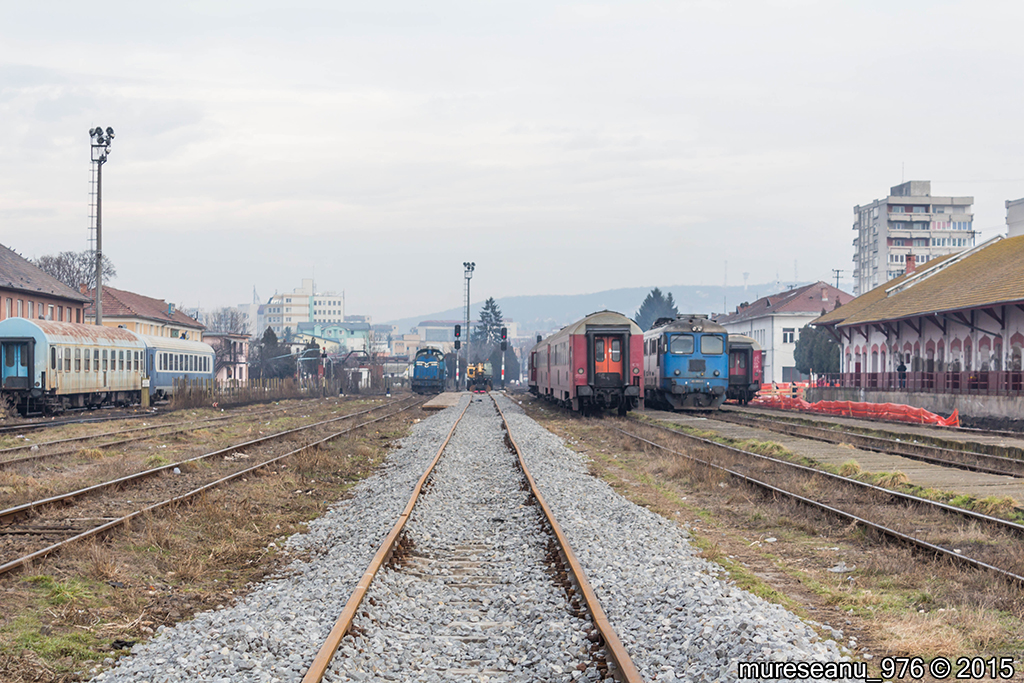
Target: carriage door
[
  {"x": 738, "y": 365},
  {"x": 14, "y": 359},
  {"x": 608, "y": 361}
]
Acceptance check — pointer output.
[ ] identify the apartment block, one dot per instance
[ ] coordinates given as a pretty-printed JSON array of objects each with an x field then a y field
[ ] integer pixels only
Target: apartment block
[{"x": 909, "y": 221}]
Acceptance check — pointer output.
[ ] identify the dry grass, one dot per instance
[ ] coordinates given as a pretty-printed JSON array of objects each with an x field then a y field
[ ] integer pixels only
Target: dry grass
[
  {"x": 889, "y": 480},
  {"x": 964, "y": 610},
  {"x": 175, "y": 562},
  {"x": 850, "y": 468}
]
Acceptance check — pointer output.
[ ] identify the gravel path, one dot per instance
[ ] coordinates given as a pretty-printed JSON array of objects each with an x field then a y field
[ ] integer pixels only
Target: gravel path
[{"x": 677, "y": 616}]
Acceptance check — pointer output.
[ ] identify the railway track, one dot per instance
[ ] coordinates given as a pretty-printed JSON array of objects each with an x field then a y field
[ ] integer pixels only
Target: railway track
[
  {"x": 475, "y": 561},
  {"x": 919, "y": 449},
  {"x": 8, "y": 459},
  {"x": 33, "y": 530},
  {"x": 973, "y": 539}
]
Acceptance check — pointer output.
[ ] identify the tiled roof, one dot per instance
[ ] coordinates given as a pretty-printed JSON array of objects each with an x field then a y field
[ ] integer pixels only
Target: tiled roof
[
  {"x": 18, "y": 273},
  {"x": 118, "y": 303},
  {"x": 806, "y": 299},
  {"x": 991, "y": 276}
]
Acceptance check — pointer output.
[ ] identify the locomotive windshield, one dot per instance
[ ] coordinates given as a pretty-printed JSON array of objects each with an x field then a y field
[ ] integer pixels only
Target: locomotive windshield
[
  {"x": 682, "y": 343},
  {"x": 599, "y": 350},
  {"x": 616, "y": 350},
  {"x": 711, "y": 344}
]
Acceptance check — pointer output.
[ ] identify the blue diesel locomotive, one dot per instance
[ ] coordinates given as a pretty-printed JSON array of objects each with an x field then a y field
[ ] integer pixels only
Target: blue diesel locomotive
[
  {"x": 685, "y": 363},
  {"x": 428, "y": 371}
]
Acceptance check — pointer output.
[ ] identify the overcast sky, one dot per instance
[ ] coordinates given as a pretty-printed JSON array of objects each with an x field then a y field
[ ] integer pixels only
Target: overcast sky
[{"x": 564, "y": 147}]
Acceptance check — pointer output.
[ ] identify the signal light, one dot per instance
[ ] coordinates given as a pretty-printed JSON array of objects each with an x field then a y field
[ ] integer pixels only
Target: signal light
[
  {"x": 504, "y": 333},
  {"x": 504, "y": 345},
  {"x": 458, "y": 331},
  {"x": 458, "y": 344}
]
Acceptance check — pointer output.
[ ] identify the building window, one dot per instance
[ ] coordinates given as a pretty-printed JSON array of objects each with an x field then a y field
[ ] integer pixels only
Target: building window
[
  {"x": 10, "y": 306},
  {"x": 60, "y": 313},
  {"x": 897, "y": 209},
  {"x": 31, "y": 309},
  {"x": 21, "y": 308},
  {"x": 788, "y": 335}
]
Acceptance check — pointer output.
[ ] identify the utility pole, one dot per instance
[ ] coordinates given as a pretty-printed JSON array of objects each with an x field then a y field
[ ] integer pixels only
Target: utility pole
[
  {"x": 837, "y": 273},
  {"x": 468, "y": 267},
  {"x": 100, "y": 149}
]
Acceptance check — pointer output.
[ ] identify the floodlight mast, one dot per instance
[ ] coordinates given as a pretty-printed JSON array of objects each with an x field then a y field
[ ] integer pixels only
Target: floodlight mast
[
  {"x": 101, "y": 140},
  {"x": 468, "y": 267}
]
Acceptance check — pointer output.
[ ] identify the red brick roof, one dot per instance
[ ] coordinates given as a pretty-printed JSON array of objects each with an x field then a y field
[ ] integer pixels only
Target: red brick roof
[
  {"x": 19, "y": 273},
  {"x": 806, "y": 299},
  {"x": 118, "y": 303}
]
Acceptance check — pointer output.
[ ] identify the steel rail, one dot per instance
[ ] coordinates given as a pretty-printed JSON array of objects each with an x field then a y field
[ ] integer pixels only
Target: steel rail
[
  {"x": 1013, "y": 526},
  {"x": 625, "y": 671},
  {"x": 962, "y": 459},
  {"x": 36, "y": 426},
  {"x": 22, "y": 561},
  {"x": 179, "y": 427},
  {"x": 893, "y": 533},
  {"x": 8, "y": 515},
  {"x": 318, "y": 668}
]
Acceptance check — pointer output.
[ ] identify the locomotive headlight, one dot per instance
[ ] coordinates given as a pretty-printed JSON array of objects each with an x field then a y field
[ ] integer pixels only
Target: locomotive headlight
[
  {"x": 676, "y": 372},
  {"x": 717, "y": 373},
  {"x": 693, "y": 328},
  {"x": 580, "y": 371}
]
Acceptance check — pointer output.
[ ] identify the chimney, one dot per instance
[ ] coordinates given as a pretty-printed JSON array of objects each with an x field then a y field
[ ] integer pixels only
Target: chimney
[
  {"x": 83, "y": 288},
  {"x": 911, "y": 264}
]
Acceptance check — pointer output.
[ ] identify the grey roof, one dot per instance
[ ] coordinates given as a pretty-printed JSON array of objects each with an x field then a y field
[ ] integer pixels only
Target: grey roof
[{"x": 18, "y": 273}]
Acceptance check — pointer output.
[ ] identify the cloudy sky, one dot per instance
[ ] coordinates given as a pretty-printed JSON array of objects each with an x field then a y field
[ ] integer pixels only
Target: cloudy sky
[{"x": 564, "y": 147}]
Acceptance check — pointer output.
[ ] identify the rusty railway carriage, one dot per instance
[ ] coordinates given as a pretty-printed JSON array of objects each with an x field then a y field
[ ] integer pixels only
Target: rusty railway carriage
[
  {"x": 50, "y": 366},
  {"x": 591, "y": 365},
  {"x": 746, "y": 363},
  {"x": 685, "y": 363}
]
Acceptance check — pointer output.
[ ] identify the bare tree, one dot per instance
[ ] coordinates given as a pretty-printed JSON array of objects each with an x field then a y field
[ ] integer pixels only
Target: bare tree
[
  {"x": 227, "y": 321},
  {"x": 75, "y": 268}
]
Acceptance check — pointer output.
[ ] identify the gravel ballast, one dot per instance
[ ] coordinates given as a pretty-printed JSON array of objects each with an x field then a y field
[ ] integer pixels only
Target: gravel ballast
[
  {"x": 493, "y": 611},
  {"x": 676, "y": 615}
]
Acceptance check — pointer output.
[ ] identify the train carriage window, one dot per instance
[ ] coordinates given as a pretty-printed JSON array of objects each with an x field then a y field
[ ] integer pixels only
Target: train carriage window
[
  {"x": 120, "y": 360},
  {"x": 712, "y": 345},
  {"x": 616, "y": 350},
  {"x": 682, "y": 343},
  {"x": 78, "y": 359},
  {"x": 599, "y": 350},
  {"x": 67, "y": 360},
  {"x": 96, "y": 360},
  {"x": 53, "y": 357},
  {"x": 136, "y": 366},
  {"x": 104, "y": 360},
  {"x": 88, "y": 357},
  {"x": 9, "y": 356}
]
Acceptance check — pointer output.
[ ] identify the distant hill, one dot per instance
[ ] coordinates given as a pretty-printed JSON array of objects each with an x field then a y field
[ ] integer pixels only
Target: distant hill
[{"x": 546, "y": 312}]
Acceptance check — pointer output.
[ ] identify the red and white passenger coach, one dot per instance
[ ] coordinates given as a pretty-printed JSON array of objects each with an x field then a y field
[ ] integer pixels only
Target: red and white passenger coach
[{"x": 591, "y": 365}]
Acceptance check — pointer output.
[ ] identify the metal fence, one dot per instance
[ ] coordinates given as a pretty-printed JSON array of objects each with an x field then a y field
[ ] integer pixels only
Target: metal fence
[
  {"x": 978, "y": 382},
  {"x": 210, "y": 393}
]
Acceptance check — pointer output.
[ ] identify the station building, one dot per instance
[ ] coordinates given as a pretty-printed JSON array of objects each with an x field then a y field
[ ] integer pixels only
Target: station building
[
  {"x": 28, "y": 292},
  {"x": 955, "y": 324}
]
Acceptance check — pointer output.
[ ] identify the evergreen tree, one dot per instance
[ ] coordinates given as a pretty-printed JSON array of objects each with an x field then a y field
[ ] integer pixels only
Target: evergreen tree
[
  {"x": 488, "y": 330},
  {"x": 655, "y": 306},
  {"x": 816, "y": 349}
]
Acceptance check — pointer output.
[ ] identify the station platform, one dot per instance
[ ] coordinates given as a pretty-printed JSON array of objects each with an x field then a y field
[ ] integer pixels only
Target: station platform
[
  {"x": 977, "y": 484},
  {"x": 444, "y": 400}
]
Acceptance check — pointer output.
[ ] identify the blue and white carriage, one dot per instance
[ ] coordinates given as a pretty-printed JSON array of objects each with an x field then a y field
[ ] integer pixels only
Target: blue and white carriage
[{"x": 48, "y": 367}]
